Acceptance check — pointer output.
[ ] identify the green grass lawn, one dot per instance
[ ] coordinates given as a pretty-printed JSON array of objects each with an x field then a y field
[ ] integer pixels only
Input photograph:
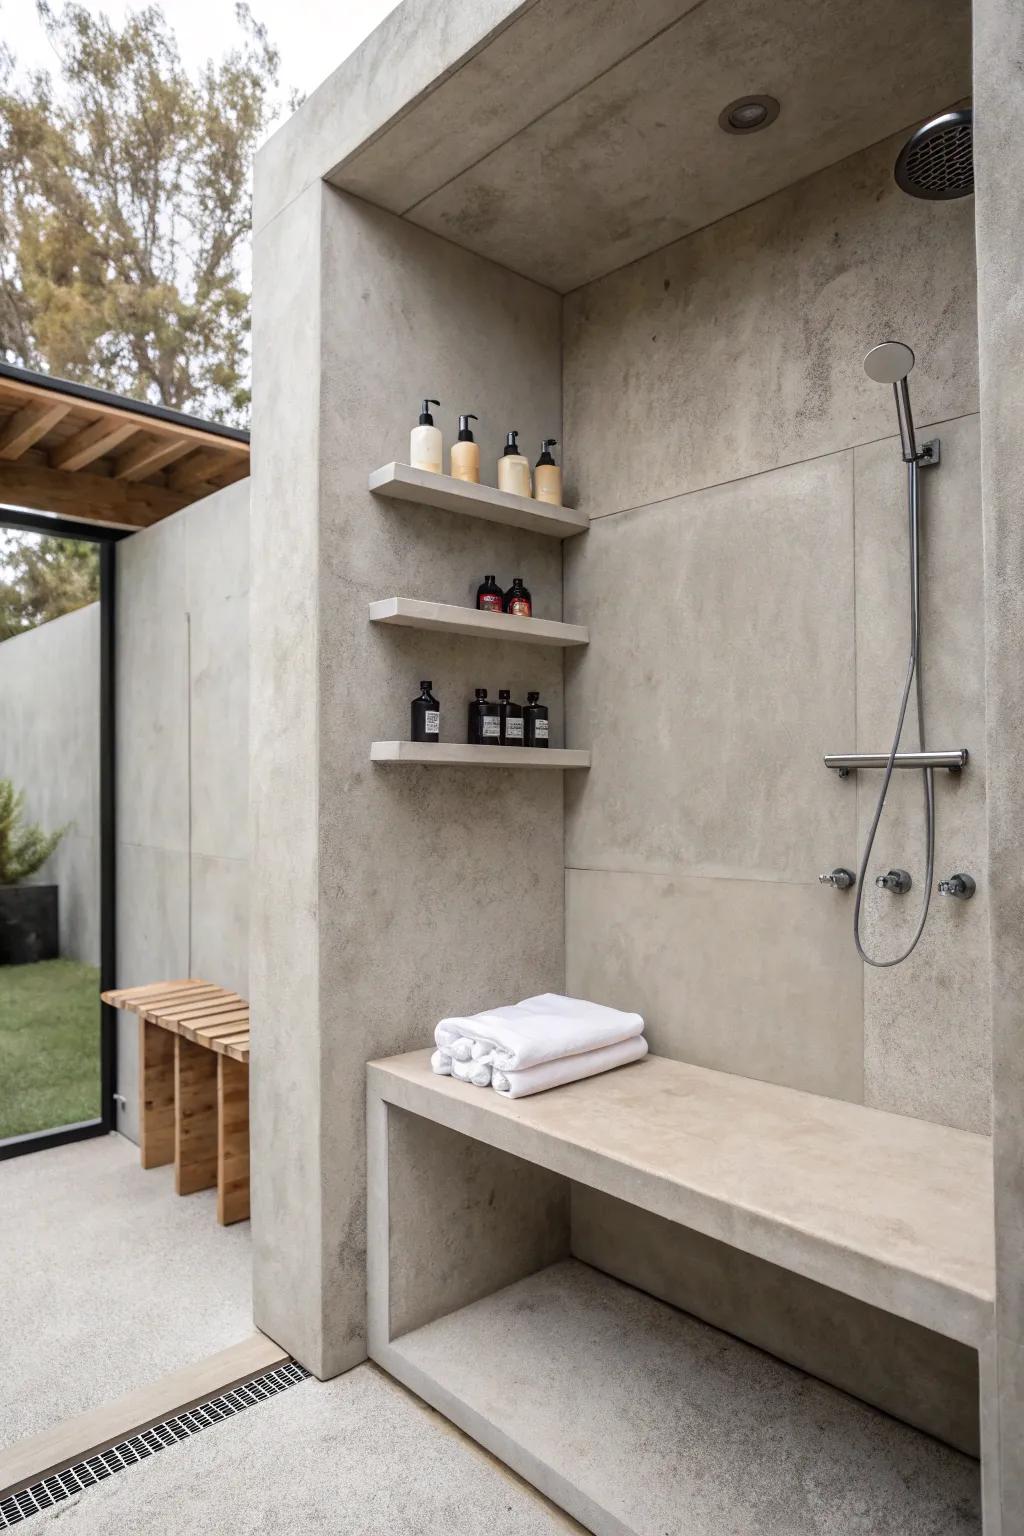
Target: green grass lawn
[{"x": 49, "y": 1045}]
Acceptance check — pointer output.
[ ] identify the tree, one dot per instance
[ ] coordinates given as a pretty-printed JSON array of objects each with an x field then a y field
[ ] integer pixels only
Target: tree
[
  {"x": 42, "y": 577},
  {"x": 125, "y": 209},
  {"x": 23, "y": 848}
]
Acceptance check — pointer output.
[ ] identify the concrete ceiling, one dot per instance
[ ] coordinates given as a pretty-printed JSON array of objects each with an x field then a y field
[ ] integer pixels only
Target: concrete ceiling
[{"x": 584, "y": 134}]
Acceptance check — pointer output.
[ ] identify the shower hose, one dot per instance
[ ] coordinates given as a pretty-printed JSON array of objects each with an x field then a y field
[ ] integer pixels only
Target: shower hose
[{"x": 913, "y": 676}]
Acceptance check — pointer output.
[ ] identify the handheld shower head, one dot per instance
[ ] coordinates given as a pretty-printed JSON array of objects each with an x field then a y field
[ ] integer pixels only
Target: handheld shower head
[{"x": 889, "y": 363}]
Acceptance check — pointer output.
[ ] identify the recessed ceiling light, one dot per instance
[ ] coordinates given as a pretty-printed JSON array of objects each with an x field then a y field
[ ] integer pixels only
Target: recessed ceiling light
[{"x": 747, "y": 114}]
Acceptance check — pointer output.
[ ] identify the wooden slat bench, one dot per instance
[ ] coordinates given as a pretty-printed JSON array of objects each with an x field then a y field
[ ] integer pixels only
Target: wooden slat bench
[{"x": 194, "y": 1086}]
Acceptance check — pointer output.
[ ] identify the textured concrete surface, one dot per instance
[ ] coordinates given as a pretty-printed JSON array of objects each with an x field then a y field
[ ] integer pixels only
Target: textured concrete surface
[
  {"x": 354, "y": 1456},
  {"x": 637, "y": 158},
  {"x": 741, "y": 347},
  {"x": 927, "y": 1031},
  {"x": 465, "y": 1220},
  {"x": 182, "y": 756},
  {"x": 916, "y": 1375},
  {"x": 641, "y": 1419},
  {"x": 49, "y": 748},
  {"x": 890, "y": 1210},
  {"x": 998, "y": 48},
  {"x": 751, "y": 976},
  {"x": 393, "y": 897},
  {"x": 108, "y": 1280}
]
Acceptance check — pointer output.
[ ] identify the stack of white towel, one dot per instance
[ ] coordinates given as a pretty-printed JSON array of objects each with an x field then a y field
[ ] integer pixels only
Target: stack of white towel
[{"x": 539, "y": 1043}]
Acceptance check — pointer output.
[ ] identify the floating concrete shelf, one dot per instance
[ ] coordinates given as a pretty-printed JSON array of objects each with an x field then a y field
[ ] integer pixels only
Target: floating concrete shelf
[
  {"x": 637, "y": 1418},
  {"x": 400, "y": 482},
  {"x": 414, "y": 613},
  {"x": 436, "y": 754}
]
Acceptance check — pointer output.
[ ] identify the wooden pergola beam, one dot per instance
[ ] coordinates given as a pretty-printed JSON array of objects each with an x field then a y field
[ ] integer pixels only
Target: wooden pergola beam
[
  {"x": 213, "y": 461},
  {"x": 89, "y": 498},
  {"x": 27, "y": 426},
  {"x": 92, "y": 443},
  {"x": 152, "y": 454}
]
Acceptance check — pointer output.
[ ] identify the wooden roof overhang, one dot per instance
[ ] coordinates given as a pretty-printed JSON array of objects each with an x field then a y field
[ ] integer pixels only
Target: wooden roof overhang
[{"x": 101, "y": 458}]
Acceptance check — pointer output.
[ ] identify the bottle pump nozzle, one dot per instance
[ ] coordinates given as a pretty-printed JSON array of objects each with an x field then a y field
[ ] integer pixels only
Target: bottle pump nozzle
[
  {"x": 465, "y": 431},
  {"x": 511, "y": 443},
  {"x": 426, "y": 420},
  {"x": 545, "y": 456}
]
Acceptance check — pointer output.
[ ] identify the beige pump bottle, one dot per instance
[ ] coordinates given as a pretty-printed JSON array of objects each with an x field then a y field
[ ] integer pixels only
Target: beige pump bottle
[
  {"x": 426, "y": 445},
  {"x": 514, "y": 468},
  {"x": 466, "y": 453},
  {"x": 547, "y": 477}
]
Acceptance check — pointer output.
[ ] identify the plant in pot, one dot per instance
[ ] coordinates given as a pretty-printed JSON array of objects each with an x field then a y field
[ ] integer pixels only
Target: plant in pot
[{"x": 28, "y": 913}]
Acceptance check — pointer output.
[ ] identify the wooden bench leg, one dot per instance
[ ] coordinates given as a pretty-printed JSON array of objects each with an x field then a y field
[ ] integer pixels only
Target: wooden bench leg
[
  {"x": 156, "y": 1095},
  {"x": 195, "y": 1121},
  {"x": 232, "y": 1140}
]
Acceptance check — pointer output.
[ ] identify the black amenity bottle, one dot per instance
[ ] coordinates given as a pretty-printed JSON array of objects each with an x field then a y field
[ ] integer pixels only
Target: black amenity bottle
[
  {"x": 511, "y": 716},
  {"x": 426, "y": 715},
  {"x": 489, "y": 596},
  {"x": 517, "y": 599},
  {"x": 484, "y": 722},
  {"x": 535, "y": 722}
]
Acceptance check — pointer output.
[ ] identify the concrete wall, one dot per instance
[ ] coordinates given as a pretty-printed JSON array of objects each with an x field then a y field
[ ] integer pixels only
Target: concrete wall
[
  {"x": 383, "y": 897},
  {"x": 182, "y": 756},
  {"x": 745, "y": 581},
  {"x": 49, "y": 747}
]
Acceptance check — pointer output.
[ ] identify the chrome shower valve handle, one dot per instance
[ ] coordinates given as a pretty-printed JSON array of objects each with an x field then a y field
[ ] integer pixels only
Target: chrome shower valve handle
[
  {"x": 897, "y": 881},
  {"x": 840, "y": 879},
  {"x": 961, "y": 886}
]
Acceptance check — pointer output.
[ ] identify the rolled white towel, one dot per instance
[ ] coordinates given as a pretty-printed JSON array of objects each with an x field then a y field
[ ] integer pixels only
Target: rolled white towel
[
  {"x": 461, "y": 1048},
  {"x": 481, "y": 1050},
  {"x": 539, "y": 1029},
  {"x": 571, "y": 1069},
  {"x": 476, "y": 1072},
  {"x": 441, "y": 1063}
]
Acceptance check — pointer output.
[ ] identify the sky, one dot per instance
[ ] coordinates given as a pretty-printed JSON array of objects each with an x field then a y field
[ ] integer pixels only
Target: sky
[{"x": 313, "y": 36}]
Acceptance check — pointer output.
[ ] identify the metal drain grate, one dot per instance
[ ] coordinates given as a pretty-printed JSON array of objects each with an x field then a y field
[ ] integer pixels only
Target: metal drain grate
[{"x": 94, "y": 1469}]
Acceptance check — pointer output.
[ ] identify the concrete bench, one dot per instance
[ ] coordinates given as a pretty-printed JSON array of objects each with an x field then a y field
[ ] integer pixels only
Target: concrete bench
[
  {"x": 194, "y": 1087},
  {"x": 477, "y": 1305}
]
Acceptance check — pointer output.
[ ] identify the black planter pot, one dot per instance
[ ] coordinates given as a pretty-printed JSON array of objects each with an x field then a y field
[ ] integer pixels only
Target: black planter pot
[{"x": 28, "y": 924}]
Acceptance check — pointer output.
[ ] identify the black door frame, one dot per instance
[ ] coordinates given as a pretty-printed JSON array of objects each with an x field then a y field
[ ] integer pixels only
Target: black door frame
[{"x": 107, "y": 539}]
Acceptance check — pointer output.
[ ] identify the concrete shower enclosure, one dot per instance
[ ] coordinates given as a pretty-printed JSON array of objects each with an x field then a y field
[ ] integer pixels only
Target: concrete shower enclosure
[{"x": 530, "y": 212}]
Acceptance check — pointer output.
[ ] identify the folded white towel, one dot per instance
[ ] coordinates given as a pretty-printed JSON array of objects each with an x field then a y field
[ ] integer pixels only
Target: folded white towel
[
  {"x": 570, "y": 1069},
  {"x": 537, "y": 1030}
]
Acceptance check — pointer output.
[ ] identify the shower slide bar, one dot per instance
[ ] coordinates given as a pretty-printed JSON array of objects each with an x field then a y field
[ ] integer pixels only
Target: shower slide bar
[{"x": 844, "y": 762}]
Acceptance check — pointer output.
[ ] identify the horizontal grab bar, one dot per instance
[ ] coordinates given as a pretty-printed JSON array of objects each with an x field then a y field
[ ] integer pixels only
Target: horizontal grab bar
[{"x": 845, "y": 761}]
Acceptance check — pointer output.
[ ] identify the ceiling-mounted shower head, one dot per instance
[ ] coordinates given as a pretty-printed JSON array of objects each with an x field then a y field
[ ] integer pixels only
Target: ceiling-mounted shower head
[
  {"x": 937, "y": 161},
  {"x": 889, "y": 362}
]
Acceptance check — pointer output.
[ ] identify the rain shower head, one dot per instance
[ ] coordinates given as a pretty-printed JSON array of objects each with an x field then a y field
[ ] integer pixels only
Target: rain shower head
[
  {"x": 889, "y": 362},
  {"x": 937, "y": 161}
]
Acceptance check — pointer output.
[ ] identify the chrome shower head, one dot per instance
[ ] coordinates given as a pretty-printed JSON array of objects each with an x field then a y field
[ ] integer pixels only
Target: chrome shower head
[
  {"x": 937, "y": 161},
  {"x": 889, "y": 362}
]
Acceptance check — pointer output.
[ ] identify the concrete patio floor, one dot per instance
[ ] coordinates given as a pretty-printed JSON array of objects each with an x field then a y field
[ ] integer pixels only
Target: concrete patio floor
[
  {"x": 356, "y": 1456},
  {"x": 108, "y": 1281}
]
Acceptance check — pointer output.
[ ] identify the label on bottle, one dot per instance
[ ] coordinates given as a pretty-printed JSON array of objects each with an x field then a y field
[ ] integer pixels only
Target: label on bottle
[
  {"x": 520, "y": 606},
  {"x": 540, "y": 730},
  {"x": 490, "y": 726},
  {"x": 432, "y": 722},
  {"x": 513, "y": 728},
  {"x": 490, "y": 602}
]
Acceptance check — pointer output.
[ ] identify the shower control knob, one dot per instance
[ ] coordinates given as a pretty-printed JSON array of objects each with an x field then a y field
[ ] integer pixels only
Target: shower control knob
[
  {"x": 841, "y": 879},
  {"x": 958, "y": 885},
  {"x": 897, "y": 881}
]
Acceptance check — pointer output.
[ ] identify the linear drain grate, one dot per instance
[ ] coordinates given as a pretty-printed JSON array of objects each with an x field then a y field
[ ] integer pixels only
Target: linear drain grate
[{"x": 59, "y": 1486}]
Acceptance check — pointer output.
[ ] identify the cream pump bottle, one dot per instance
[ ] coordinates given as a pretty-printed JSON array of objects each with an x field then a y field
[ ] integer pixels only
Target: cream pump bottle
[
  {"x": 466, "y": 453},
  {"x": 547, "y": 477},
  {"x": 513, "y": 468},
  {"x": 426, "y": 446}
]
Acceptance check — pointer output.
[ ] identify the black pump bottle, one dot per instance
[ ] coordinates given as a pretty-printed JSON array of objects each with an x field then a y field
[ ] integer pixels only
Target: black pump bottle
[
  {"x": 489, "y": 596},
  {"x": 484, "y": 722},
  {"x": 518, "y": 600},
  {"x": 426, "y": 715},
  {"x": 511, "y": 719},
  {"x": 535, "y": 722}
]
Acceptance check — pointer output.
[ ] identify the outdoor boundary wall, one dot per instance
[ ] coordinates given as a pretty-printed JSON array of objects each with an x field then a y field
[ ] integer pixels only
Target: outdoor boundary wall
[
  {"x": 182, "y": 645},
  {"x": 49, "y": 747}
]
